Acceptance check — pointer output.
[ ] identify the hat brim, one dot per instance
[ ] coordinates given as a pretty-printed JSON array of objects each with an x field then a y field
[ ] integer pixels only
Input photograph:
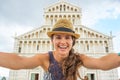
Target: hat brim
[{"x": 58, "y": 32}]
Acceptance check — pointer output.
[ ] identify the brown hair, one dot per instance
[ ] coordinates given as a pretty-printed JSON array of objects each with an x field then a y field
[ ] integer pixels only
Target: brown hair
[{"x": 71, "y": 65}]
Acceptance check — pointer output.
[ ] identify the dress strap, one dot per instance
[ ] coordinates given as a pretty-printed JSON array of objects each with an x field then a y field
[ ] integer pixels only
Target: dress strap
[{"x": 51, "y": 56}]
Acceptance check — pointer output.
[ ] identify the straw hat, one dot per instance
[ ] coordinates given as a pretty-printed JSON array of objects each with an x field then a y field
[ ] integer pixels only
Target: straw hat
[{"x": 63, "y": 26}]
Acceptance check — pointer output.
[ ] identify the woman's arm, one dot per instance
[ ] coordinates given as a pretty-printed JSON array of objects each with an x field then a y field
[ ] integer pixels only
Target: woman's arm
[
  {"x": 13, "y": 61},
  {"x": 107, "y": 62}
]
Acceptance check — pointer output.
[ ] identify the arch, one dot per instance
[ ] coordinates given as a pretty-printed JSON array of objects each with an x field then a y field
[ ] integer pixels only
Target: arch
[
  {"x": 57, "y": 7},
  {"x": 34, "y": 42},
  {"x": 75, "y": 10},
  {"x": 29, "y": 42},
  {"x": 100, "y": 41},
  {"x": 21, "y": 42},
  {"x": 53, "y": 9},
  {"x": 78, "y": 16},
  {"x": 60, "y": 16},
  {"x": 29, "y": 36},
  {"x": 39, "y": 41},
  {"x": 47, "y": 16},
  {"x": 56, "y": 16},
  {"x": 69, "y": 16},
  {"x": 33, "y": 35},
  {"x": 25, "y": 42},
  {"x": 81, "y": 41},
  {"x": 64, "y": 16},
  {"x": 51, "y": 16},
  {"x": 49, "y": 10},
  {"x": 36, "y": 34},
  {"x": 91, "y": 42},
  {"x": 71, "y": 8},
  {"x": 73, "y": 16}
]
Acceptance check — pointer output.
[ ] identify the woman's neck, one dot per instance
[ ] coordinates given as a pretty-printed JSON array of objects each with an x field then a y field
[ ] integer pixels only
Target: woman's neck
[{"x": 58, "y": 57}]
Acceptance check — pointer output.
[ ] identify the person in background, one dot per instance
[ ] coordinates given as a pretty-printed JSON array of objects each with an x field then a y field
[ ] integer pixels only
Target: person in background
[{"x": 62, "y": 63}]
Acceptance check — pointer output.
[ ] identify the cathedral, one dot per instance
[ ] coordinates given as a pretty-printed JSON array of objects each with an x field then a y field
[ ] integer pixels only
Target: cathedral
[{"x": 36, "y": 41}]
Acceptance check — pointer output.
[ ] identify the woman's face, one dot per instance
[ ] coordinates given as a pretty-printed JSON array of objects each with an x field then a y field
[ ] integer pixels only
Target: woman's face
[{"x": 62, "y": 44}]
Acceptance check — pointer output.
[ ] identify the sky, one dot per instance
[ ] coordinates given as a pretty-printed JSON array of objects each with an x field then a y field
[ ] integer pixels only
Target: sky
[{"x": 20, "y": 16}]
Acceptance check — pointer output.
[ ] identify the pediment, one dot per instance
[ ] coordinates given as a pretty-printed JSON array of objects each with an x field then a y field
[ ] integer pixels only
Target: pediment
[
  {"x": 41, "y": 32},
  {"x": 86, "y": 32},
  {"x": 62, "y": 6},
  {"x": 37, "y": 33}
]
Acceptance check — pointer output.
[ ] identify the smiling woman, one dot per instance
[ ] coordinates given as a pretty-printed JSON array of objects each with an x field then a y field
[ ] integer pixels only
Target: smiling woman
[{"x": 62, "y": 63}]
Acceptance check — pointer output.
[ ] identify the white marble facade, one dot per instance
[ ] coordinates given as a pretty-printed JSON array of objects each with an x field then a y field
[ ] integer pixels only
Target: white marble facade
[{"x": 91, "y": 43}]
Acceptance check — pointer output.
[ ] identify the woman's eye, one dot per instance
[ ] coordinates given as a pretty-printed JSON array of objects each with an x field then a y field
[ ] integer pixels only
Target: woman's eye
[
  {"x": 68, "y": 37},
  {"x": 58, "y": 37}
]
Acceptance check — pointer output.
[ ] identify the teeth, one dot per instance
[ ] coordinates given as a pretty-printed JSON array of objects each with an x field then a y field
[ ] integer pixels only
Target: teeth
[{"x": 63, "y": 46}]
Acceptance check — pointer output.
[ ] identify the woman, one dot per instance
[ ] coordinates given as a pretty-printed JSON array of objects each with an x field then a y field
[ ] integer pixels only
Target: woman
[{"x": 62, "y": 63}]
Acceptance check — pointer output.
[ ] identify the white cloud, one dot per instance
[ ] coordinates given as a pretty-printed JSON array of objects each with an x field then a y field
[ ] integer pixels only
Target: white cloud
[
  {"x": 95, "y": 11},
  {"x": 7, "y": 34}
]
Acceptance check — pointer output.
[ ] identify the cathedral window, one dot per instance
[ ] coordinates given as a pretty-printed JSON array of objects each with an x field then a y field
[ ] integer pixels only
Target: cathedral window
[
  {"x": 60, "y": 16},
  {"x": 73, "y": 21},
  {"x": 47, "y": 16},
  {"x": 67, "y": 7},
  {"x": 48, "y": 42},
  {"x": 49, "y": 10},
  {"x": 34, "y": 41},
  {"x": 29, "y": 36},
  {"x": 64, "y": 16},
  {"x": 25, "y": 42},
  {"x": 19, "y": 49},
  {"x": 64, "y": 7},
  {"x": 73, "y": 16},
  {"x": 71, "y": 9},
  {"x": 56, "y": 7},
  {"x": 48, "y": 29},
  {"x": 78, "y": 16},
  {"x": 106, "y": 49},
  {"x": 37, "y": 47},
  {"x": 34, "y": 76},
  {"x": 29, "y": 42},
  {"x": 20, "y": 42},
  {"x": 75, "y": 10},
  {"x": 96, "y": 42},
  {"x": 91, "y": 42},
  {"x": 96, "y": 36},
  {"x": 51, "y": 16},
  {"x": 69, "y": 16},
  {"x": 100, "y": 41},
  {"x": 51, "y": 21},
  {"x": 91, "y": 76},
  {"x": 81, "y": 41},
  {"x": 76, "y": 29},
  {"x": 53, "y": 9},
  {"x": 25, "y": 36},
  {"x": 60, "y": 7},
  {"x": 87, "y": 47},
  {"x": 33, "y": 35},
  {"x": 56, "y": 16}
]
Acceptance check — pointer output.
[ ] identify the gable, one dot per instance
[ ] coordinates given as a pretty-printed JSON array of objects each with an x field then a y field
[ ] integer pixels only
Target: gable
[{"x": 62, "y": 7}]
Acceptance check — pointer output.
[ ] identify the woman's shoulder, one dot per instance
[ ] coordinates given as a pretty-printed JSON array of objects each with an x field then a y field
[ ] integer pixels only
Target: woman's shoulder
[
  {"x": 44, "y": 58},
  {"x": 42, "y": 55}
]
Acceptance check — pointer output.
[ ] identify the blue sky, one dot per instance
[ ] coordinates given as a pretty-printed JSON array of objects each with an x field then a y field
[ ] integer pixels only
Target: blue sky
[{"x": 20, "y": 16}]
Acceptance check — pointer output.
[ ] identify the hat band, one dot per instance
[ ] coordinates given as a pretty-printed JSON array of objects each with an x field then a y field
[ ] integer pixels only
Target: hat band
[{"x": 63, "y": 29}]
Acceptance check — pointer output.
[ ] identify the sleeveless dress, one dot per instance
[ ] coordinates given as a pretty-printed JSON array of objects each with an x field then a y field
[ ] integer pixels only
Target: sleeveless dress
[{"x": 54, "y": 70}]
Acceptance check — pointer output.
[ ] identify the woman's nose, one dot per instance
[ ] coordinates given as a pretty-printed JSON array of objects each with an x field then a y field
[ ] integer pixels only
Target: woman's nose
[{"x": 63, "y": 40}]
